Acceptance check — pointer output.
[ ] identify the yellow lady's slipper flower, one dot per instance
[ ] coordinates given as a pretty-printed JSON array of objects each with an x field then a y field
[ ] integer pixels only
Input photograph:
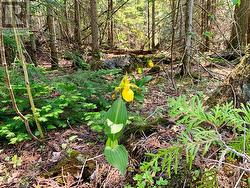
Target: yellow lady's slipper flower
[
  {"x": 150, "y": 63},
  {"x": 125, "y": 89},
  {"x": 128, "y": 94}
]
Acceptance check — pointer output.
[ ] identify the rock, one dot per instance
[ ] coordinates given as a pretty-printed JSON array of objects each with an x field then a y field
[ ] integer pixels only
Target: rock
[
  {"x": 117, "y": 62},
  {"x": 246, "y": 91},
  {"x": 55, "y": 157}
]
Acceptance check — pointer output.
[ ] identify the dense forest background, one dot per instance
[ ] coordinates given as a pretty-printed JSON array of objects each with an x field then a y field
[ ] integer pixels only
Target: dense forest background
[{"x": 125, "y": 93}]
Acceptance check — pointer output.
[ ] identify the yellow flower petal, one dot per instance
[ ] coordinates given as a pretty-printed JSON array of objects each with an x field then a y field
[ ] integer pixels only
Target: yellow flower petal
[
  {"x": 125, "y": 81},
  {"x": 150, "y": 63},
  {"x": 113, "y": 96},
  {"x": 128, "y": 94},
  {"x": 139, "y": 70}
]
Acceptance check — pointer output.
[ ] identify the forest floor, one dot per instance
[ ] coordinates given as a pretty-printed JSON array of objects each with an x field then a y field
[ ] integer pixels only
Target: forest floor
[{"x": 55, "y": 163}]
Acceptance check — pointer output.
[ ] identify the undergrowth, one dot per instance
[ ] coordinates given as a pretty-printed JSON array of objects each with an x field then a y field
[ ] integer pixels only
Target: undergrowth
[
  {"x": 61, "y": 101},
  {"x": 204, "y": 128}
]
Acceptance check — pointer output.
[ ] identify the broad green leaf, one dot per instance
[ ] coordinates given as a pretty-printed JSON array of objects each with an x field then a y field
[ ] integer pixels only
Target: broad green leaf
[
  {"x": 144, "y": 81},
  {"x": 117, "y": 157},
  {"x": 118, "y": 112},
  {"x": 236, "y": 2},
  {"x": 51, "y": 127},
  {"x": 114, "y": 128}
]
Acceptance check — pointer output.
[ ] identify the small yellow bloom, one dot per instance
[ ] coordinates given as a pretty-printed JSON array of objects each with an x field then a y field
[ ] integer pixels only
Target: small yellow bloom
[
  {"x": 139, "y": 70},
  {"x": 150, "y": 63},
  {"x": 113, "y": 96},
  {"x": 128, "y": 94}
]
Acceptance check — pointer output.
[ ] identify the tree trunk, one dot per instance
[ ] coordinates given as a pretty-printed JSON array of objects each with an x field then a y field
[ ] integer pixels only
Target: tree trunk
[
  {"x": 248, "y": 31},
  {"x": 77, "y": 24},
  {"x": 94, "y": 27},
  {"x": 153, "y": 24},
  {"x": 237, "y": 85},
  {"x": 208, "y": 25},
  {"x": 66, "y": 24},
  {"x": 52, "y": 37},
  {"x": 148, "y": 22},
  {"x": 110, "y": 24},
  {"x": 188, "y": 47},
  {"x": 240, "y": 27},
  {"x": 33, "y": 48}
]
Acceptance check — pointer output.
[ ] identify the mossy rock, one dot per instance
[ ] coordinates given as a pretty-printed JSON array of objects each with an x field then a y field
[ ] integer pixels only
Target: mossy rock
[{"x": 72, "y": 164}]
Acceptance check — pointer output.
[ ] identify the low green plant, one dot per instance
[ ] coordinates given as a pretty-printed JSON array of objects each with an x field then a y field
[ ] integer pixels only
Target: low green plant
[
  {"x": 61, "y": 101},
  {"x": 78, "y": 60},
  {"x": 201, "y": 132},
  {"x": 115, "y": 120}
]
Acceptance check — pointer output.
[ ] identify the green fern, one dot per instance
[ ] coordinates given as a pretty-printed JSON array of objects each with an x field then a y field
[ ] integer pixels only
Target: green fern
[{"x": 200, "y": 134}]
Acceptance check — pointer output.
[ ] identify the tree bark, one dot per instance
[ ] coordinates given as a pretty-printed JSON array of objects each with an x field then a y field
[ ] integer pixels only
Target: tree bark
[
  {"x": 188, "y": 47},
  {"x": 33, "y": 48},
  {"x": 148, "y": 23},
  {"x": 66, "y": 24},
  {"x": 77, "y": 24},
  {"x": 239, "y": 33},
  {"x": 110, "y": 24},
  {"x": 153, "y": 24},
  {"x": 248, "y": 31},
  {"x": 52, "y": 38},
  {"x": 94, "y": 27}
]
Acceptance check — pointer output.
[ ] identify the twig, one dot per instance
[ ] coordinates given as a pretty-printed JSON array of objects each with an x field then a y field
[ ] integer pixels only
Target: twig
[
  {"x": 156, "y": 109},
  {"x": 80, "y": 177},
  {"x": 234, "y": 95},
  {"x": 237, "y": 183},
  {"x": 94, "y": 158},
  {"x": 229, "y": 164},
  {"x": 11, "y": 92},
  {"x": 244, "y": 156}
]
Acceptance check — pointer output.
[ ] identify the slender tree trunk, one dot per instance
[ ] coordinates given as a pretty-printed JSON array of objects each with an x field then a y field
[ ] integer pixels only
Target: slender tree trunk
[
  {"x": 153, "y": 24},
  {"x": 32, "y": 44},
  {"x": 110, "y": 24},
  {"x": 77, "y": 23},
  {"x": 33, "y": 48},
  {"x": 94, "y": 27},
  {"x": 148, "y": 16},
  {"x": 52, "y": 38},
  {"x": 203, "y": 23},
  {"x": 66, "y": 24},
  {"x": 248, "y": 31},
  {"x": 208, "y": 24},
  {"x": 11, "y": 92},
  {"x": 206, "y": 13},
  {"x": 238, "y": 37},
  {"x": 181, "y": 23},
  {"x": 188, "y": 46}
]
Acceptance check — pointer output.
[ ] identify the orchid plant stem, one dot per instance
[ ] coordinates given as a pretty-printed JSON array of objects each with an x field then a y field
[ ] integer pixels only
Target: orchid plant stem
[
  {"x": 8, "y": 83},
  {"x": 27, "y": 83}
]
